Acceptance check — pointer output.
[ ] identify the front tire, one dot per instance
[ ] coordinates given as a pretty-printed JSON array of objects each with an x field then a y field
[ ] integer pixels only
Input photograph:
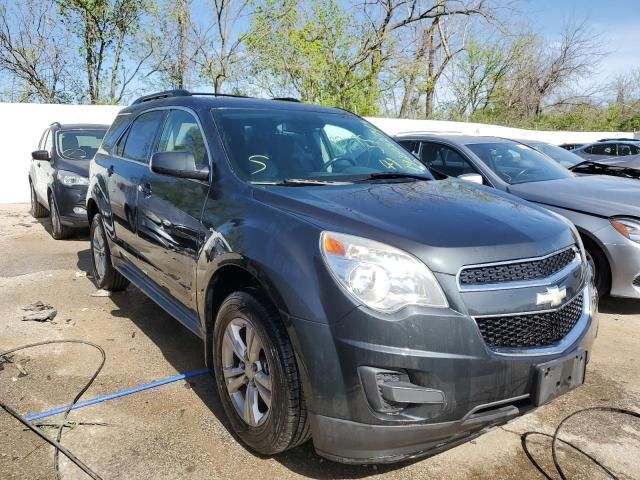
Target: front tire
[
  {"x": 105, "y": 276},
  {"x": 37, "y": 209},
  {"x": 600, "y": 266},
  {"x": 257, "y": 375},
  {"x": 58, "y": 230}
]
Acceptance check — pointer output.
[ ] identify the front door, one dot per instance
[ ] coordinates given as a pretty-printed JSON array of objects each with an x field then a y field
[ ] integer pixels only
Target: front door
[
  {"x": 170, "y": 209},
  {"x": 124, "y": 170}
]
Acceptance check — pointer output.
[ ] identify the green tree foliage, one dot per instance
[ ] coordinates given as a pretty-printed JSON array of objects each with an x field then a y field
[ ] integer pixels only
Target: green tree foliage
[{"x": 310, "y": 51}]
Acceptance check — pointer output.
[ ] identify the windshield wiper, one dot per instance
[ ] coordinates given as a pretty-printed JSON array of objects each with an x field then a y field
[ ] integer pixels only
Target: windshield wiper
[
  {"x": 300, "y": 182},
  {"x": 589, "y": 166},
  {"x": 392, "y": 175}
]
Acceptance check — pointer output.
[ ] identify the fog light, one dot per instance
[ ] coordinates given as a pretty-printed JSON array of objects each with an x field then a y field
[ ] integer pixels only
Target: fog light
[{"x": 79, "y": 210}]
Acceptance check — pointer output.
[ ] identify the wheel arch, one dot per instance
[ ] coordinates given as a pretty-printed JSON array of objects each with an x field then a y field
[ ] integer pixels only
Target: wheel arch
[{"x": 589, "y": 238}]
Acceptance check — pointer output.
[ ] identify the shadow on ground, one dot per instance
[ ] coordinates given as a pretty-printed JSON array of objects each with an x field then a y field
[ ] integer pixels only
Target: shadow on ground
[
  {"x": 623, "y": 306},
  {"x": 184, "y": 351}
]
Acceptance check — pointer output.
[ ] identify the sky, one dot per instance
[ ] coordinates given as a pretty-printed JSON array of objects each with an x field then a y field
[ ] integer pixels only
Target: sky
[{"x": 617, "y": 21}]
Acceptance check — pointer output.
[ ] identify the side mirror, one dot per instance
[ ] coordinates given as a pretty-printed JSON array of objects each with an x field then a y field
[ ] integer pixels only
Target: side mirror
[
  {"x": 41, "y": 155},
  {"x": 177, "y": 164},
  {"x": 471, "y": 177}
]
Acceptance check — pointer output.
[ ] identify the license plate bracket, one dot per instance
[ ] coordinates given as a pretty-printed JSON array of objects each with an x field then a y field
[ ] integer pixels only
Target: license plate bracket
[{"x": 559, "y": 376}]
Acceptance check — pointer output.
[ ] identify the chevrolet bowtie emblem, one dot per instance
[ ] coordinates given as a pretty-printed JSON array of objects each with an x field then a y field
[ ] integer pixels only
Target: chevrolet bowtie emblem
[{"x": 553, "y": 297}]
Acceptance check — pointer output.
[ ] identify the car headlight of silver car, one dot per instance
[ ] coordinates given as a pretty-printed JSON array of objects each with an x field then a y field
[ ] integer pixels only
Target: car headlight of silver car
[
  {"x": 71, "y": 179},
  {"x": 379, "y": 276},
  {"x": 628, "y": 227}
]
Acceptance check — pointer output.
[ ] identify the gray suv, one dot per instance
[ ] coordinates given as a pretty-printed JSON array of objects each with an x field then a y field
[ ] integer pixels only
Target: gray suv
[{"x": 341, "y": 292}]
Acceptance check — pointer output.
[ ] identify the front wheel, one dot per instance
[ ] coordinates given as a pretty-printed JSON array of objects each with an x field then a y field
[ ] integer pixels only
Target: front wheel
[
  {"x": 58, "y": 230},
  {"x": 106, "y": 277},
  {"x": 599, "y": 266},
  {"x": 257, "y": 375}
]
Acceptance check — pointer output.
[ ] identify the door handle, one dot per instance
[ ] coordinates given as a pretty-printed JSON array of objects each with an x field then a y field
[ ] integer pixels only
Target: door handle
[
  {"x": 38, "y": 163},
  {"x": 110, "y": 170},
  {"x": 145, "y": 190}
]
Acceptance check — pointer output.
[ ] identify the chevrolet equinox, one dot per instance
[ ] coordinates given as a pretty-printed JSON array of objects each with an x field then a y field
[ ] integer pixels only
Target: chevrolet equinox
[{"x": 342, "y": 292}]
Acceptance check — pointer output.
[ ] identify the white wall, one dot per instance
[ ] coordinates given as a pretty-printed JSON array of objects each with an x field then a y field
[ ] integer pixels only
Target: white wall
[
  {"x": 21, "y": 125},
  {"x": 393, "y": 126}
]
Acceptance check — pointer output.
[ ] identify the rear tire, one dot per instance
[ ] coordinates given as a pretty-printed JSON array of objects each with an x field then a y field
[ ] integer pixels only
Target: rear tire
[
  {"x": 58, "y": 230},
  {"x": 37, "y": 209},
  {"x": 106, "y": 277},
  {"x": 599, "y": 265},
  {"x": 278, "y": 418}
]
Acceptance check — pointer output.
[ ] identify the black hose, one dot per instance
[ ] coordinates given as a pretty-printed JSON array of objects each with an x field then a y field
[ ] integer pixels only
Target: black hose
[
  {"x": 555, "y": 440},
  {"x": 56, "y": 443}
]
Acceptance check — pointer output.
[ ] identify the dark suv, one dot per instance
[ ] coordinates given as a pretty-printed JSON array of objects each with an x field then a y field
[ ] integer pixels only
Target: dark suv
[
  {"x": 341, "y": 292},
  {"x": 59, "y": 175}
]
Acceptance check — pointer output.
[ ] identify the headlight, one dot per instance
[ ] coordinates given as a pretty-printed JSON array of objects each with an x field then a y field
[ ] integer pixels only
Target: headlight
[
  {"x": 628, "y": 227},
  {"x": 71, "y": 179},
  {"x": 574, "y": 232},
  {"x": 382, "y": 277}
]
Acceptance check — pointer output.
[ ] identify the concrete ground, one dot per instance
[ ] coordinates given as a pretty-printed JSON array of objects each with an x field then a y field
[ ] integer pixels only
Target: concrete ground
[{"x": 179, "y": 430}]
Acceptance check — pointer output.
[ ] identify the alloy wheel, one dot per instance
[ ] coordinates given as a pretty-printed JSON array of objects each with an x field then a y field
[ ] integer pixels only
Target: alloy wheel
[
  {"x": 246, "y": 372},
  {"x": 99, "y": 252}
]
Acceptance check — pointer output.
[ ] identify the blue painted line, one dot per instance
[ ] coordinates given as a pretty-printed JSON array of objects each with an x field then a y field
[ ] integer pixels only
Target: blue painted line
[{"x": 121, "y": 393}]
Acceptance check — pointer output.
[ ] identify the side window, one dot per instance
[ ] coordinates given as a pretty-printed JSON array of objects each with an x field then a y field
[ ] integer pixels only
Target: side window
[
  {"x": 634, "y": 149},
  {"x": 625, "y": 149},
  {"x": 603, "y": 149},
  {"x": 141, "y": 136},
  {"x": 115, "y": 130},
  {"x": 344, "y": 142},
  {"x": 42, "y": 139},
  {"x": 181, "y": 133},
  {"x": 410, "y": 146},
  {"x": 445, "y": 160}
]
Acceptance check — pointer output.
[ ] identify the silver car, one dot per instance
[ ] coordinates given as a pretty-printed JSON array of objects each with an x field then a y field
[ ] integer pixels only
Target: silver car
[
  {"x": 606, "y": 210},
  {"x": 608, "y": 148}
]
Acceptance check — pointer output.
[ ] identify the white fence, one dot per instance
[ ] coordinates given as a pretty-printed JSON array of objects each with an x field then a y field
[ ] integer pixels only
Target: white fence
[{"x": 22, "y": 124}]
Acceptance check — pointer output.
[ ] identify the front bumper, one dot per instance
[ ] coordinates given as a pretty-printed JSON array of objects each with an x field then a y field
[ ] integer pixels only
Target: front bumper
[
  {"x": 71, "y": 205},
  {"x": 440, "y": 350}
]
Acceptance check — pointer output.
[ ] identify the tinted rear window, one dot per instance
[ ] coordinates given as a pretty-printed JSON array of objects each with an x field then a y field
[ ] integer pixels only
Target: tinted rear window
[{"x": 142, "y": 135}]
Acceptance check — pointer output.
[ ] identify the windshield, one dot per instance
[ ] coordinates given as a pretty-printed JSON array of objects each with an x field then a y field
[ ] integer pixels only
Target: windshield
[
  {"x": 79, "y": 144},
  {"x": 516, "y": 163},
  {"x": 277, "y": 145},
  {"x": 564, "y": 157}
]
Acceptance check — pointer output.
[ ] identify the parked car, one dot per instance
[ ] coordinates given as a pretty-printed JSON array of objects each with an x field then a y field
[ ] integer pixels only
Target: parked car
[
  {"x": 341, "y": 292},
  {"x": 610, "y": 148},
  {"x": 605, "y": 210},
  {"x": 58, "y": 176},
  {"x": 626, "y": 167}
]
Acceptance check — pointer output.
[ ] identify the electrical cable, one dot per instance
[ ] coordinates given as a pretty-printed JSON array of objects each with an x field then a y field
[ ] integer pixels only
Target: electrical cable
[
  {"x": 56, "y": 443},
  {"x": 555, "y": 440}
]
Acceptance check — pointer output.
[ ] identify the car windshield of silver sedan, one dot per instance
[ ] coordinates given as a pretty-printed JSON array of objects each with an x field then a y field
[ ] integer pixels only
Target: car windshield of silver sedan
[
  {"x": 294, "y": 147},
  {"x": 79, "y": 144},
  {"x": 516, "y": 163}
]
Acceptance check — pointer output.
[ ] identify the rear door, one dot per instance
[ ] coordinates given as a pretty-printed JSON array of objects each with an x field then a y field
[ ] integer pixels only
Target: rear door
[
  {"x": 124, "y": 170},
  {"x": 170, "y": 209},
  {"x": 43, "y": 168}
]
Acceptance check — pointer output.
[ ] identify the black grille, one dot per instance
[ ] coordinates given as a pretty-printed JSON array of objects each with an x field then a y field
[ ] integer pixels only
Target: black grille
[
  {"x": 510, "y": 272},
  {"x": 636, "y": 281},
  {"x": 532, "y": 330}
]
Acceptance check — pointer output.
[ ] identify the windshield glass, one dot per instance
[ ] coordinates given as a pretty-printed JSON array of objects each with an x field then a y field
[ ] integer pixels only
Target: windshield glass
[
  {"x": 275, "y": 145},
  {"x": 79, "y": 144},
  {"x": 516, "y": 163},
  {"x": 559, "y": 154}
]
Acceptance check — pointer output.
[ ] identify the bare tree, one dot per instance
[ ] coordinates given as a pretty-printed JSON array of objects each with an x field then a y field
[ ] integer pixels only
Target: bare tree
[
  {"x": 33, "y": 50},
  {"x": 104, "y": 27}
]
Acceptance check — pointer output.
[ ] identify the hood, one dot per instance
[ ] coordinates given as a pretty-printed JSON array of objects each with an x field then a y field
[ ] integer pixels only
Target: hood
[
  {"x": 629, "y": 161},
  {"x": 601, "y": 195},
  {"x": 447, "y": 223},
  {"x": 81, "y": 167}
]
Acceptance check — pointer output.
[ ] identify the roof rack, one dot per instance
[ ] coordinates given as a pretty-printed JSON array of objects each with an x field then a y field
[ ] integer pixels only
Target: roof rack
[
  {"x": 621, "y": 139},
  {"x": 286, "y": 99},
  {"x": 180, "y": 92}
]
